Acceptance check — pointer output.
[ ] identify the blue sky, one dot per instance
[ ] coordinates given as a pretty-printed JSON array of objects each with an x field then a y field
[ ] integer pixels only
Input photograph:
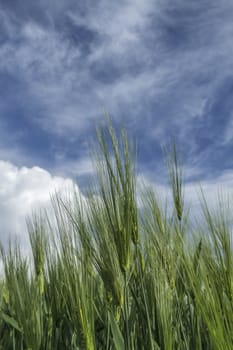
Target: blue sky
[{"x": 162, "y": 68}]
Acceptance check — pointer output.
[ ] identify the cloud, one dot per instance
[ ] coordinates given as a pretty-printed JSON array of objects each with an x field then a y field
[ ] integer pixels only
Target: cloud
[
  {"x": 23, "y": 191},
  {"x": 163, "y": 68},
  {"x": 83, "y": 167},
  {"x": 61, "y": 77}
]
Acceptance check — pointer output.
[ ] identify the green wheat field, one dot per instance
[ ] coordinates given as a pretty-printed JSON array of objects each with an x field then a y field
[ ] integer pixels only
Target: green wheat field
[{"x": 110, "y": 273}]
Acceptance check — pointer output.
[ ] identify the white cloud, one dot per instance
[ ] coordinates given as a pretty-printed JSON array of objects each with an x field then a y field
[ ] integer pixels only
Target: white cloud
[
  {"x": 23, "y": 190},
  {"x": 119, "y": 24}
]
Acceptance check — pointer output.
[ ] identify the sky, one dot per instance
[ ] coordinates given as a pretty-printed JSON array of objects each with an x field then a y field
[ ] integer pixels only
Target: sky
[{"x": 163, "y": 69}]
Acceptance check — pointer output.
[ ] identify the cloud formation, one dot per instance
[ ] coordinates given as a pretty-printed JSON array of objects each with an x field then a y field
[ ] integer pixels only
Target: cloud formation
[
  {"x": 161, "y": 63},
  {"x": 160, "y": 67},
  {"x": 22, "y": 192}
]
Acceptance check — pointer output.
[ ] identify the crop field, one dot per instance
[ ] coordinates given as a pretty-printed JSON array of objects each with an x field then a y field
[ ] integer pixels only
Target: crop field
[{"x": 108, "y": 273}]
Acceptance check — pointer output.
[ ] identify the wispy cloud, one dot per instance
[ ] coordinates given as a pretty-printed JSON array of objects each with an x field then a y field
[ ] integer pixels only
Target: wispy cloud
[{"x": 163, "y": 68}]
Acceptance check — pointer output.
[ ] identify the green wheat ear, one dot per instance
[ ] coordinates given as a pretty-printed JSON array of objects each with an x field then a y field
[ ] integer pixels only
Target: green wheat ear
[
  {"x": 176, "y": 180},
  {"x": 108, "y": 275}
]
